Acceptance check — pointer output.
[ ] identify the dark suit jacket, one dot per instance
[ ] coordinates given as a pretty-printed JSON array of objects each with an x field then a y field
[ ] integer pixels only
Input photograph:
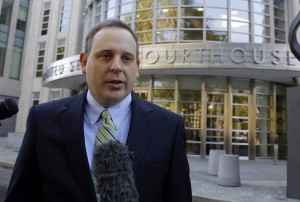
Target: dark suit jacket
[{"x": 52, "y": 163}]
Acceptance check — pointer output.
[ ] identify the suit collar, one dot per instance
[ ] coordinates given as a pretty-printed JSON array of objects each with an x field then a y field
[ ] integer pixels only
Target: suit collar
[{"x": 74, "y": 138}]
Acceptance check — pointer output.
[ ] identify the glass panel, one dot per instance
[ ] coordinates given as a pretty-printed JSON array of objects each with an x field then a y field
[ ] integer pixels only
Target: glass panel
[
  {"x": 240, "y": 99},
  {"x": 194, "y": 12},
  {"x": 192, "y": 121},
  {"x": 279, "y": 24},
  {"x": 240, "y": 84},
  {"x": 192, "y": 2},
  {"x": 143, "y": 4},
  {"x": 193, "y": 148},
  {"x": 242, "y": 27},
  {"x": 263, "y": 125},
  {"x": 190, "y": 108},
  {"x": 167, "y": 12},
  {"x": 240, "y": 123},
  {"x": 163, "y": 94},
  {"x": 261, "y": 30},
  {"x": 126, "y": 8},
  {"x": 191, "y": 35},
  {"x": 164, "y": 83},
  {"x": 144, "y": 37},
  {"x": 263, "y": 100},
  {"x": 263, "y": 112},
  {"x": 216, "y": 24},
  {"x": 240, "y": 38},
  {"x": 144, "y": 15},
  {"x": 240, "y": 16},
  {"x": 216, "y": 13},
  {"x": 190, "y": 95},
  {"x": 240, "y": 111},
  {"x": 241, "y": 150},
  {"x": 263, "y": 138},
  {"x": 216, "y": 36},
  {"x": 278, "y": 13},
  {"x": 261, "y": 8},
  {"x": 240, "y": 4},
  {"x": 192, "y": 135},
  {"x": 142, "y": 26},
  {"x": 216, "y": 3},
  {"x": 142, "y": 82},
  {"x": 166, "y": 24},
  {"x": 191, "y": 23},
  {"x": 167, "y": 105},
  {"x": 215, "y": 83},
  {"x": 215, "y": 122},
  {"x": 262, "y": 87},
  {"x": 240, "y": 137},
  {"x": 167, "y": 2},
  {"x": 214, "y": 136},
  {"x": 166, "y": 36},
  {"x": 261, "y": 19}
]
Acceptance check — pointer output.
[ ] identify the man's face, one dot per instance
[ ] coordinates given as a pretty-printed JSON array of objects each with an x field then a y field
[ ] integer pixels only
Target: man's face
[{"x": 112, "y": 66}]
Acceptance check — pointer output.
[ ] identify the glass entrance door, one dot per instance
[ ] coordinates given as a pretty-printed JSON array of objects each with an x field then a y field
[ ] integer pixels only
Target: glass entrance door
[
  {"x": 240, "y": 124},
  {"x": 214, "y": 122}
]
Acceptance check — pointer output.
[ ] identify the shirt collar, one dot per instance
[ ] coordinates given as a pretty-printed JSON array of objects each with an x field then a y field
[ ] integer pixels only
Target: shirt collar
[{"x": 118, "y": 111}]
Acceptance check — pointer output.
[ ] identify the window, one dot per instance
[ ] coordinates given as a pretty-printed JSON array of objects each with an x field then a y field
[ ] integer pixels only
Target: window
[
  {"x": 54, "y": 95},
  {"x": 14, "y": 71},
  {"x": 98, "y": 11},
  {"x": 65, "y": 13},
  {"x": 40, "y": 59},
  {"x": 60, "y": 50},
  {"x": 35, "y": 98},
  {"x": 45, "y": 21}
]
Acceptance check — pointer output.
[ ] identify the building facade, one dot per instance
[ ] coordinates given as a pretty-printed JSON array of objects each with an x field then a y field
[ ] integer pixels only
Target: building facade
[
  {"x": 223, "y": 65},
  {"x": 13, "y": 22},
  {"x": 54, "y": 32}
]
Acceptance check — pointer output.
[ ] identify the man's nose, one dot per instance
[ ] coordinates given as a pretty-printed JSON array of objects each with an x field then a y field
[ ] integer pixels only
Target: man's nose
[{"x": 116, "y": 65}]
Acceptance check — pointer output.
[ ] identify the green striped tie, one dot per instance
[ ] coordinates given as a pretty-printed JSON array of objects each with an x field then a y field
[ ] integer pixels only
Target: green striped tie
[{"x": 106, "y": 132}]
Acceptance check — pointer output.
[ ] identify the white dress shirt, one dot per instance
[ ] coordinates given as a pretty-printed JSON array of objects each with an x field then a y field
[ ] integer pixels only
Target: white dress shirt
[{"x": 121, "y": 115}]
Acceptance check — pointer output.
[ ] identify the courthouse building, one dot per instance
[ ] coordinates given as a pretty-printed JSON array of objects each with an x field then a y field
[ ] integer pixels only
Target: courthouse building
[{"x": 224, "y": 65}]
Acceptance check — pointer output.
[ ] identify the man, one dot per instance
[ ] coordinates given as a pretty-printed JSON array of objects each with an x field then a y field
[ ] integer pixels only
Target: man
[{"x": 55, "y": 159}]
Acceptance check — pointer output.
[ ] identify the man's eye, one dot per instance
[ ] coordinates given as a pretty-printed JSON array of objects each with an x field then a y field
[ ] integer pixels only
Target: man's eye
[{"x": 128, "y": 58}]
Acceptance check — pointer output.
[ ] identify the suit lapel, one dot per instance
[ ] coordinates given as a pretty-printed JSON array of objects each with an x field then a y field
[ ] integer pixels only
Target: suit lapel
[
  {"x": 74, "y": 139},
  {"x": 140, "y": 130}
]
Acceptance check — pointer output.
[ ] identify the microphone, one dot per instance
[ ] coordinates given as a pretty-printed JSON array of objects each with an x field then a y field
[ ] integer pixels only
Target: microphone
[
  {"x": 8, "y": 108},
  {"x": 114, "y": 173}
]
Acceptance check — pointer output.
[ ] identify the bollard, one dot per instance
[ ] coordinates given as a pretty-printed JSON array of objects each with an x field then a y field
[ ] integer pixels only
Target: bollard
[
  {"x": 229, "y": 171},
  {"x": 213, "y": 161},
  {"x": 275, "y": 158}
]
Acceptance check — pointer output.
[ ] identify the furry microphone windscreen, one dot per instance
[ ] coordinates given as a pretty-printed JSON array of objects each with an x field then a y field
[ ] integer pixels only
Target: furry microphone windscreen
[{"x": 114, "y": 173}]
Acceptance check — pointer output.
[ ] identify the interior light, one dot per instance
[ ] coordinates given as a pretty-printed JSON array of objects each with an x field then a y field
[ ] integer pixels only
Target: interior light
[
  {"x": 200, "y": 9},
  {"x": 165, "y": 10}
]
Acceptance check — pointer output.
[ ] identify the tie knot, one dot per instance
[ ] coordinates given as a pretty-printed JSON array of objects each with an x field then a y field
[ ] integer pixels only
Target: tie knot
[{"x": 105, "y": 114}]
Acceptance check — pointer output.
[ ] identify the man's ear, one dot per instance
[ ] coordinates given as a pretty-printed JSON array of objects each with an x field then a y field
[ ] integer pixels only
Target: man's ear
[{"x": 83, "y": 62}]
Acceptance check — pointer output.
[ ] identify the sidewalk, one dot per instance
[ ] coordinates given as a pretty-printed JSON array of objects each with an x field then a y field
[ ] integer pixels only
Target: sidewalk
[{"x": 261, "y": 180}]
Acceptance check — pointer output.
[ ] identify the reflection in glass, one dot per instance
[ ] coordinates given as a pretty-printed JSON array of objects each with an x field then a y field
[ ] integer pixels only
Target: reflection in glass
[
  {"x": 241, "y": 150},
  {"x": 192, "y": 135},
  {"x": 170, "y": 35},
  {"x": 191, "y": 121},
  {"x": 261, "y": 8},
  {"x": 240, "y": 4},
  {"x": 166, "y": 12},
  {"x": 191, "y": 23},
  {"x": 240, "y": 38},
  {"x": 192, "y": 2},
  {"x": 240, "y": 123},
  {"x": 216, "y": 24},
  {"x": 263, "y": 100},
  {"x": 144, "y": 4},
  {"x": 216, "y": 36},
  {"x": 239, "y": 137},
  {"x": 216, "y": 13},
  {"x": 167, "y": 3},
  {"x": 144, "y": 37},
  {"x": 216, "y": 3},
  {"x": 215, "y": 122},
  {"x": 167, "y": 105},
  {"x": 166, "y": 24},
  {"x": 194, "y": 12},
  {"x": 214, "y": 136},
  {"x": 261, "y": 30},
  {"x": 261, "y": 19},
  {"x": 163, "y": 94},
  {"x": 193, "y": 148},
  {"x": 144, "y": 15},
  {"x": 143, "y": 26},
  {"x": 240, "y": 111},
  {"x": 242, "y": 27},
  {"x": 191, "y": 35}
]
